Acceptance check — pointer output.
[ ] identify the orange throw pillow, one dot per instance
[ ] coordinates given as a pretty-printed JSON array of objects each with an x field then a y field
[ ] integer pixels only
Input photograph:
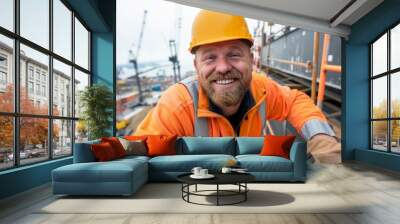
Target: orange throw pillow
[
  {"x": 135, "y": 138},
  {"x": 103, "y": 151},
  {"x": 116, "y": 145},
  {"x": 159, "y": 145},
  {"x": 277, "y": 146}
]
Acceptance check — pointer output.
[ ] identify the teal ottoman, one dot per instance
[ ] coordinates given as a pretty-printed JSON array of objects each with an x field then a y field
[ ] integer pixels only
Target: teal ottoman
[{"x": 118, "y": 177}]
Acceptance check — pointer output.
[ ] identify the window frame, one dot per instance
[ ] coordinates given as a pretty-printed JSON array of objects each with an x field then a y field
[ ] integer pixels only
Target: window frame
[
  {"x": 388, "y": 74},
  {"x": 16, "y": 114}
]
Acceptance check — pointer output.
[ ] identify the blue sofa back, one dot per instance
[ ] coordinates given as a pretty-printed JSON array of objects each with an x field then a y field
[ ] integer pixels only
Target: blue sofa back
[
  {"x": 83, "y": 153},
  {"x": 206, "y": 145},
  {"x": 249, "y": 145},
  {"x": 192, "y": 146}
]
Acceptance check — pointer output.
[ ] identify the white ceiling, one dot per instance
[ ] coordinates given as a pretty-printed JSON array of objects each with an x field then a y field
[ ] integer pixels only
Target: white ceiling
[
  {"x": 315, "y": 15},
  {"x": 321, "y": 9}
]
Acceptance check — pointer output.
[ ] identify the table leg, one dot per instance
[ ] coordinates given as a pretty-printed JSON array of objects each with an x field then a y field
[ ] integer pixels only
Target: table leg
[
  {"x": 217, "y": 194},
  {"x": 182, "y": 190},
  {"x": 245, "y": 191},
  {"x": 188, "y": 189},
  {"x": 196, "y": 188}
]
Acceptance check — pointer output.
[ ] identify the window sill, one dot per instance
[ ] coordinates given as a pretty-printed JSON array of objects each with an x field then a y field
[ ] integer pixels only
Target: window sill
[{"x": 30, "y": 166}]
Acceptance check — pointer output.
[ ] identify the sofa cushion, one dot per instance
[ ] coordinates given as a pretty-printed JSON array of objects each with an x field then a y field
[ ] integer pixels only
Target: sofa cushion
[
  {"x": 97, "y": 172},
  {"x": 185, "y": 163},
  {"x": 277, "y": 146},
  {"x": 249, "y": 145},
  {"x": 118, "y": 177},
  {"x": 136, "y": 137},
  {"x": 159, "y": 145},
  {"x": 257, "y": 163},
  {"x": 132, "y": 159},
  {"x": 93, "y": 172},
  {"x": 206, "y": 145},
  {"x": 116, "y": 145},
  {"x": 134, "y": 147},
  {"x": 103, "y": 151}
]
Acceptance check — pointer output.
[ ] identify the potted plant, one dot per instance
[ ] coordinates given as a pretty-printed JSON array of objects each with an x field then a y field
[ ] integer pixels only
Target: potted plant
[{"x": 96, "y": 102}]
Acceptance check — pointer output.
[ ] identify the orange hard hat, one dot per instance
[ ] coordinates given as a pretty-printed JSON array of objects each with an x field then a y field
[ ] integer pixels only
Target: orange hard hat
[{"x": 211, "y": 27}]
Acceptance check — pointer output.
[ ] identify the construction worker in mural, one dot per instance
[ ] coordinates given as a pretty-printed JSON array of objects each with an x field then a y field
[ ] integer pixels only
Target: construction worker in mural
[{"x": 226, "y": 98}]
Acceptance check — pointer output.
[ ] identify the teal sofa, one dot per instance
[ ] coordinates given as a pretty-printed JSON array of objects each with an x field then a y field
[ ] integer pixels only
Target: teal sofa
[{"x": 125, "y": 176}]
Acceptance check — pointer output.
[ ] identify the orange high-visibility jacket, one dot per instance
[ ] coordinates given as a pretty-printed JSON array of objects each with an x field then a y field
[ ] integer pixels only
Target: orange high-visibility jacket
[{"x": 174, "y": 113}]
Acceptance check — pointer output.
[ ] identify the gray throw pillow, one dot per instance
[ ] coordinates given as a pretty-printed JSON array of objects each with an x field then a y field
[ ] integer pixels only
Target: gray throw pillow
[{"x": 136, "y": 148}]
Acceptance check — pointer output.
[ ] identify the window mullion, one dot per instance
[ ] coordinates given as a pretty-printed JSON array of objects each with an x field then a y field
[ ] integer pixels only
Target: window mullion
[
  {"x": 389, "y": 104},
  {"x": 73, "y": 81},
  {"x": 16, "y": 83},
  {"x": 371, "y": 137},
  {"x": 50, "y": 81}
]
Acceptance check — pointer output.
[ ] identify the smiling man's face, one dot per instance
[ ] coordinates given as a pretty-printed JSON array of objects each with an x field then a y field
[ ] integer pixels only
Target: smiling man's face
[{"x": 224, "y": 71}]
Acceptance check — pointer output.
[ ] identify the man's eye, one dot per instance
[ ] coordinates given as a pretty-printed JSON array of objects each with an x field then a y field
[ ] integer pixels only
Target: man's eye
[
  {"x": 234, "y": 55},
  {"x": 209, "y": 58}
]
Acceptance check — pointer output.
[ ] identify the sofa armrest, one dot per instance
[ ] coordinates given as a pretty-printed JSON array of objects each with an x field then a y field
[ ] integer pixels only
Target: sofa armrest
[
  {"x": 298, "y": 155},
  {"x": 83, "y": 152}
]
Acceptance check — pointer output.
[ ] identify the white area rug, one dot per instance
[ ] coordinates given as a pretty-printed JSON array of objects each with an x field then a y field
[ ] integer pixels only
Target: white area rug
[{"x": 166, "y": 198}]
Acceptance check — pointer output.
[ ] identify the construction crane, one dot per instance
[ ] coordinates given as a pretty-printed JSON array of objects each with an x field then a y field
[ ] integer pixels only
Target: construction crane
[
  {"x": 134, "y": 57},
  {"x": 174, "y": 48},
  {"x": 175, "y": 62}
]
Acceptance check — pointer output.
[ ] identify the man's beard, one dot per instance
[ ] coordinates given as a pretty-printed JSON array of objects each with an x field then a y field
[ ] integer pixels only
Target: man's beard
[{"x": 229, "y": 97}]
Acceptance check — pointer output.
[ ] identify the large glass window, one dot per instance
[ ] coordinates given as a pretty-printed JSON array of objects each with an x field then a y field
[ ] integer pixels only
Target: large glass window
[
  {"x": 379, "y": 56},
  {"x": 35, "y": 21},
  {"x": 379, "y": 97},
  {"x": 40, "y": 62},
  {"x": 6, "y": 75},
  {"x": 385, "y": 94},
  {"x": 33, "y": 141},
  {"x": 7, "y": 14},
  {"x": 81, "y": 81},
  {"x": 81, "y": 45},
  {"x": 62, "y": 137},
  {"x": 395, "y": 136},
  {"x": 379, "y": 133},
  {"x": 62, "y": 29},
  {"x": 395, "y": 94},
  {"x": 395, "y": 47},
  {"x": 44, "y": 78},
  {"x": 62, "y": 91},
  {"x": 6, "y": 142}
]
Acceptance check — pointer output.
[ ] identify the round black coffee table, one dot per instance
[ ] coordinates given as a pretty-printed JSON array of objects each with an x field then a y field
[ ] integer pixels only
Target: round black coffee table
[{"x": 238, "y": 179}]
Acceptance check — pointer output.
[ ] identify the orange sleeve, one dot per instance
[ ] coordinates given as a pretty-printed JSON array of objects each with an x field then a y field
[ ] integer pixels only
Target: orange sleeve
[
  {"x": 173, "y": 114},
  {"x": 292, "y": 105}
]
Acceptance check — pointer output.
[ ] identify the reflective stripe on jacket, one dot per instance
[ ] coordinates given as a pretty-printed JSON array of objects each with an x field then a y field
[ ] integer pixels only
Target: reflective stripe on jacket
[{"x": 174, "y": 112}]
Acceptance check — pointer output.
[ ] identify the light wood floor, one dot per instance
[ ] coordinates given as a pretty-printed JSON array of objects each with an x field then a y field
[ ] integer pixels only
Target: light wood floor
[{"x": 378, "y": 188}]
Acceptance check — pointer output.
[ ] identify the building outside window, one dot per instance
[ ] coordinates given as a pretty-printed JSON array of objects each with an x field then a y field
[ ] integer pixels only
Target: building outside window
[
  {"x": 38, "y": 89},
  {"x": 3, "y": 61},
  {"x": 43, "y": 78},
  {"x": 385, "y": 94},
  {"x": 30, "y": 87},
  {"x": 30, "y": 72},
  {"x": 34, "y": 76},
  {"x": 37, "y": 74},
  {"x": 3, "y": 78},
  {"x": 3, "y": 72},
  {"x": 43, "y": 90},
  {"x": 55, "y": 96}
]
